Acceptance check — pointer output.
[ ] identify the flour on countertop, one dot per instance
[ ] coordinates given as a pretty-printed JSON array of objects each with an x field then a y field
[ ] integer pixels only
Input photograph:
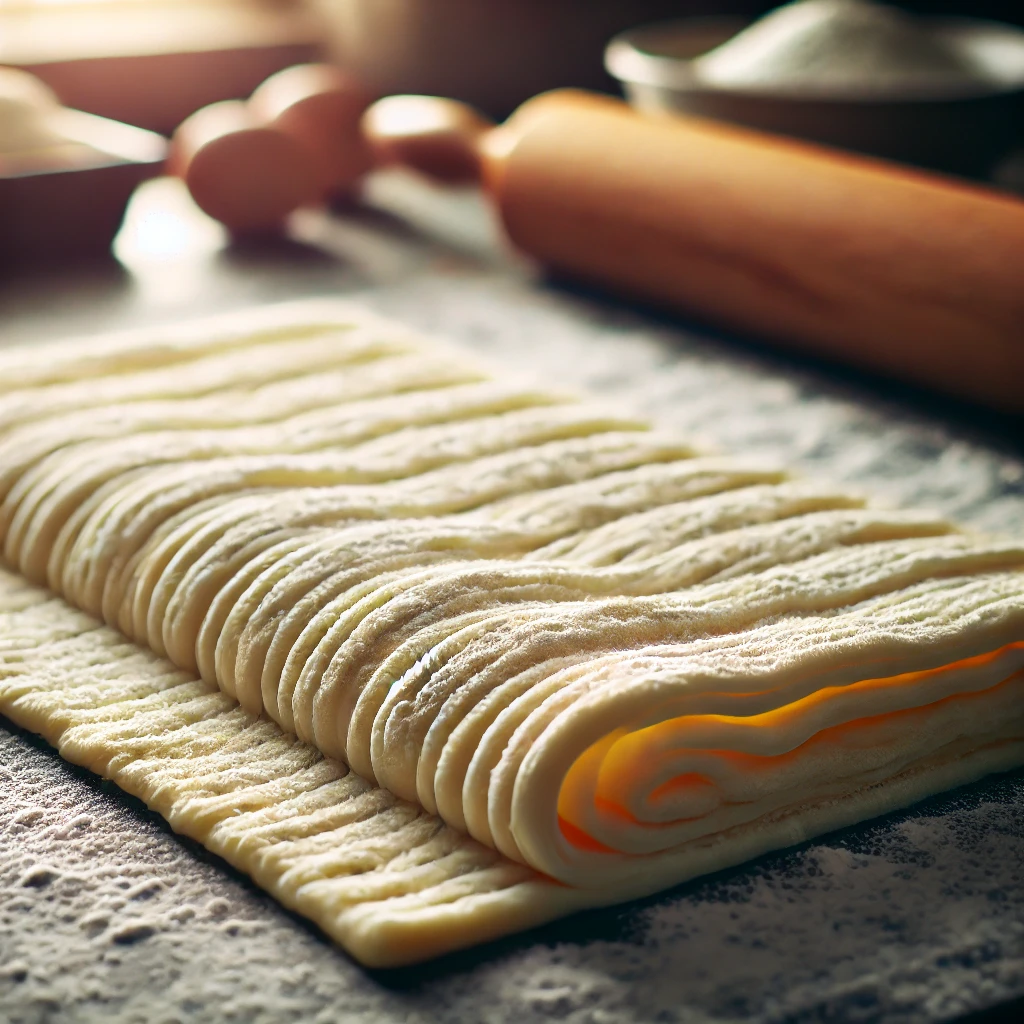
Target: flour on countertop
[
  {"x": 96, "y": 895},
  {"x": 917, "y": 917}
]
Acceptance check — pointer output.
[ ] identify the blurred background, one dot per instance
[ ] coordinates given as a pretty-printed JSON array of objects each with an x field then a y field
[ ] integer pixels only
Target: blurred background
[
  {"x": 152, "y": 62},
  {"x": 167, "y": 130}
]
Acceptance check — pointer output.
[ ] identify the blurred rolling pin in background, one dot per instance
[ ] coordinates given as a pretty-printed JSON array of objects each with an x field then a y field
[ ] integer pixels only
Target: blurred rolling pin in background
[{"x": 889, "y": 269}]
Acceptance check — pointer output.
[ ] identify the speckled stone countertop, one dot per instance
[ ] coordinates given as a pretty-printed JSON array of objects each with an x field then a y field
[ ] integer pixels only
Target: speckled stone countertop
[{"x": 105, "y": 915}]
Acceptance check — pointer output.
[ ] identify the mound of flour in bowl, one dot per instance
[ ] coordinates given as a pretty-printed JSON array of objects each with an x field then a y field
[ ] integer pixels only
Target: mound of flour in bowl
[
  {"x": 26, "y": 108},
  {"x": 839, "y": 45}
]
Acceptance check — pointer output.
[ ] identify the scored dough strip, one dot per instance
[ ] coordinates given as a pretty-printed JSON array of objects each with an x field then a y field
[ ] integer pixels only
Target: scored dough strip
[{"x": 568, "y": 660}]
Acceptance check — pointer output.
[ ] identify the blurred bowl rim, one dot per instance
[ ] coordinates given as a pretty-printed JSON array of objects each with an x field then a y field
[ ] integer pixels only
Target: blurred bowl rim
[{"x": 632, "y": 57}]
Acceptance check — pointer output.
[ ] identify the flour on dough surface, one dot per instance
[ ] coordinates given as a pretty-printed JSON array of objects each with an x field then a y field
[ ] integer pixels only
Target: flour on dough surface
[{"x": 435, "y": 656}]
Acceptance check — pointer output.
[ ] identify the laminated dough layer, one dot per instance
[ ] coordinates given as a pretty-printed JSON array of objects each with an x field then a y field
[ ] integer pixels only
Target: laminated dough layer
[{"x": 434, "y": 655}]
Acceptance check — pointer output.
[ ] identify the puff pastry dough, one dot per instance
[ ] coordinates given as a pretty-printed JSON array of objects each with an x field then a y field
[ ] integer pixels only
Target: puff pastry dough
[{"x": 435, "y": 657}]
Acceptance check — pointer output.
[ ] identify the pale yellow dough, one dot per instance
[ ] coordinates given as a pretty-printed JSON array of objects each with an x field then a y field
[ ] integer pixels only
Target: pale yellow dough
[{"x": 569, "y": 660}]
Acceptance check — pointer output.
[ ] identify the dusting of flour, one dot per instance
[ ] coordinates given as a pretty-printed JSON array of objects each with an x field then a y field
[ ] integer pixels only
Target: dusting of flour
[
  {"x": 106, "y": 916},
  {"x": 836, "y": 46},
  {"x": 916, "y": 917}
]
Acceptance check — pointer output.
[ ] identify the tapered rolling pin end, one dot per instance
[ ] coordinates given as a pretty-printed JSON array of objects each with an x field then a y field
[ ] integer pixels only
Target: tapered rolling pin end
[{"x": 437, "y": 137}]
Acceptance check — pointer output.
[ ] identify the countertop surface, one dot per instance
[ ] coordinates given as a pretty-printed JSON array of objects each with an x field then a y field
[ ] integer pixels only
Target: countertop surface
[{"x": 919, "y": 916}]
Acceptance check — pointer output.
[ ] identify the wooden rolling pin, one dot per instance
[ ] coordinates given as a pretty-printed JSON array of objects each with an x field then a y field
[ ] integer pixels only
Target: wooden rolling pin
[{"x": 891, "y": 269}]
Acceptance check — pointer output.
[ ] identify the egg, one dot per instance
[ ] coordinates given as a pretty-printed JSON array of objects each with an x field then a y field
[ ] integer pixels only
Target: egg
[
  {"x": 319, "y": 106},
  {"x": 247, "y": 175}
]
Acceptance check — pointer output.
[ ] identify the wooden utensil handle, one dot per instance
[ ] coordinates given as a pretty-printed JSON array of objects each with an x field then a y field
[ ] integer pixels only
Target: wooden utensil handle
[{"x": 893, "y": 270}]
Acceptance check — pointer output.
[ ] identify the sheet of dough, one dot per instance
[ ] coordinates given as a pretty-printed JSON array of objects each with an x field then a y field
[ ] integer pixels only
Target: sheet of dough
[{"x": 569, "y": 660}]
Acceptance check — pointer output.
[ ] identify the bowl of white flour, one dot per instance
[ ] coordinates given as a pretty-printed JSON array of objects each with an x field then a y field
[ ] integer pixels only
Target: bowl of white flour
[{"x": 944, "y": 93}]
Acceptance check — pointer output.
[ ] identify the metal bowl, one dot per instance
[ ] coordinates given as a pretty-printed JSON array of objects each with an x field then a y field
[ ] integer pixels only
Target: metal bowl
[{"x": 959, "y": 132}]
